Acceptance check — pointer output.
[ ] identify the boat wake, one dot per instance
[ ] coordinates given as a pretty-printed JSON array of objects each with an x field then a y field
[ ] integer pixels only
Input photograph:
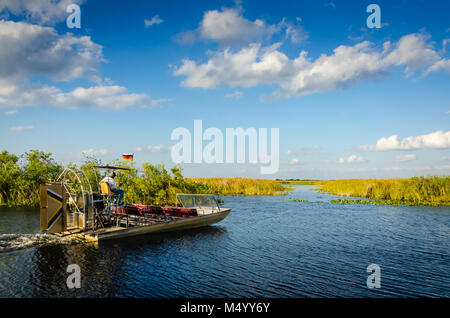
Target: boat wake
[{"x": 11, "y": 242}]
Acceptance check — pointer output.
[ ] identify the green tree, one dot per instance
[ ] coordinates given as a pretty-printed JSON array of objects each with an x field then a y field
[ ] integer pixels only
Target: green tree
[{"x": 10, "y": 178}]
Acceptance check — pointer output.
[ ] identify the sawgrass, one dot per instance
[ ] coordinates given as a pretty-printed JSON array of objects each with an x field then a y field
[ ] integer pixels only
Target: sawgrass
[
  {"x": 241, "y": 186},
  {"x": 299, "y": 182},
  {"x": 433, "y": 191}
]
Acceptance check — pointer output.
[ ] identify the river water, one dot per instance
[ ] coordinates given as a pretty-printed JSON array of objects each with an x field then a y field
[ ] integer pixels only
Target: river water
[{"x": 269, "y": 246}]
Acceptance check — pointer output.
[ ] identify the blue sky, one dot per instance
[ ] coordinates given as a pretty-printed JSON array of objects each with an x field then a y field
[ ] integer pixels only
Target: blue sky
[{"x": 358, "y": 102}]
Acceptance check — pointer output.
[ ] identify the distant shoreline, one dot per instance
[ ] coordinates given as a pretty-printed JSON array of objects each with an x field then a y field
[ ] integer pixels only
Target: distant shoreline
[
  {"x": 21, "y": 176},
  {"x": 428, "y": 191}
]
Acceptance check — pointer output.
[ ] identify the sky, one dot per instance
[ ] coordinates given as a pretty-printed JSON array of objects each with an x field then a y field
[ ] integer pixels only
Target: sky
[{"x": 349, "y": 101}]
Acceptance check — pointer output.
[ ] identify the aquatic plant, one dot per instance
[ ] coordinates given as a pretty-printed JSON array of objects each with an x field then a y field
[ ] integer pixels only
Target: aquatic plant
[
  {"x": 242, "y": 186},
  {"x": 433, "y": 191},
  {"x": 20, "y": 177}
]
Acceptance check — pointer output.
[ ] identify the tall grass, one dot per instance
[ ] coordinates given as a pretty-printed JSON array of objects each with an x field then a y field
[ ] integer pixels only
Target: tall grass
[
  {"x": 434, "y": 191},
  {"x": 241, "y": 186},
  {"x": 299, "y": 182},
  {"x": 20, "y": 177}
]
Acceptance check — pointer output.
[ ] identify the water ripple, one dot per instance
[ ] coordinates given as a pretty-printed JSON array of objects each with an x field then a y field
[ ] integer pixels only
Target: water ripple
[{"x": 267, "y": 247}]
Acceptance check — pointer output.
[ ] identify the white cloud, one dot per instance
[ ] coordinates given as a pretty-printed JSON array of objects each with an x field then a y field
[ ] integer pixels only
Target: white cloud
[
  {"x": 293, "y": 31},
  {"x": 40, "y": 11},
  {"x": 366, "y": 148},
  {"x": 294, "y": 161},
  {"x": 157, "y": 148},
  {"x": 436, "y": 140},
  {"x": 352, "y": 159},
  {"x": 94, "y": 152},
  {"x": 228, "y": 27},
  {"x": 406, "y": 158},
  {"x": 256, "y": 65},
  {"x": 413, "y": 51},
  {"x": 248, "y": 67},
  {"x": 28, "y": 51},
  {"x": 152, "y": 21},
  {"x": 235, "y": 94},
  {"x": 312, "y": 149},
  {"x": 330, "y": 5},
  {"x": 441, "y": 65},
  {"x": 290, "y": 152},
  {"x": 444, "y": 44},
  {"x": 32, "y": 50},
  {"x": 21, "y": 128},
  {"x": 97, "y": 97},
  {"x": 11, "y": 112}
]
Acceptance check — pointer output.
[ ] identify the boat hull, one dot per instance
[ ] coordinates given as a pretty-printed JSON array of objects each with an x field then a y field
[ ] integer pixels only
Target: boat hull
[{"x": 174, "y": 225}]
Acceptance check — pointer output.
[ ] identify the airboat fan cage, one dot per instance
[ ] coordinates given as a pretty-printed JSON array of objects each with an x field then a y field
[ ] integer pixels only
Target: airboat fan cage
[{"x": 79, "y": 202}]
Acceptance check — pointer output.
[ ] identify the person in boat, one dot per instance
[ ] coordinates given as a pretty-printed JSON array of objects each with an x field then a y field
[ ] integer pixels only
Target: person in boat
[{"x": 113, "y": 186}]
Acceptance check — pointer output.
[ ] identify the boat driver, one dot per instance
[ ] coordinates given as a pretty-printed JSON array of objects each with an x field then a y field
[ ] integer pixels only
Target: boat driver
[{"x": 113, "y": 186}]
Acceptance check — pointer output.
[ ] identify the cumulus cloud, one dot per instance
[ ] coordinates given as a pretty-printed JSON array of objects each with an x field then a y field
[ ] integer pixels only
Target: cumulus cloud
[
  {"x": 21, "y": 128},
  {"x": 330, "y": 5},
  {"x": 294, "y": 161},
  {"x": 441, "y": 65},
  {"x": 39, "y": 11},
  {"x": 97, "y": 97},
  {"x": 255, "y": 65},
  {"x": 154, "y": 20},
  {"x": 235, "y": 95},
  {"x": 32, "y": 50},
  {"x": 436, "y": 140},
  {"x": 28, "y": 51},
  {"x": 412, "y": 51},
  {"x": 157, "y": 148},
  {"x": 94, "y": 153},
  {"x": 312, "y": 149},
  {"x": 11, "y": 112},
  {"x": 406, "y": 158},
  {"x": 248, "y": 67},
  {"x": 352, "y": 159},
  {"x": 366, "y": 148},
  {"x": 228, "y": 27}
]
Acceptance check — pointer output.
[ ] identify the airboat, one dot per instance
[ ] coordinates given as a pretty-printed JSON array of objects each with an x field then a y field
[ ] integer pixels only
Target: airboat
[{"x": 70, "y": 207}]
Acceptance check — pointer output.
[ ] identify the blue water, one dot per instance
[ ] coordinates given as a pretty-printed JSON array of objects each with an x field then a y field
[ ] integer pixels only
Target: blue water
[{"x": 267, "y": 247}]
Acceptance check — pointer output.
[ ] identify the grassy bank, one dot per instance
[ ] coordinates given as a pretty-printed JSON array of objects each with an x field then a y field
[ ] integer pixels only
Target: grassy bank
[
  {"x": 241, "y": 186},
  {"x": 21, "y": 175},
  {"x": 433, "y": 191},
  {"x": 299, "y": 182}
]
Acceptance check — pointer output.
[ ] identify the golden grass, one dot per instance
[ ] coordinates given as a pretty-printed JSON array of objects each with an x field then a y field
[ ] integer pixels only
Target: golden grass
[
  {"x": 433, "y": 191},
  {"x": 242, "y": 186},
  {"x": 300, "y": 182}
]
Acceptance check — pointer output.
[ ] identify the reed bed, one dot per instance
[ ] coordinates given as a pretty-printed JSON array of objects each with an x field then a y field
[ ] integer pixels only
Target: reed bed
[
  {"x": 242, "y": 186},
  {"x": 433, "y": 191},
  {"x": 299, "y": 182}
]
